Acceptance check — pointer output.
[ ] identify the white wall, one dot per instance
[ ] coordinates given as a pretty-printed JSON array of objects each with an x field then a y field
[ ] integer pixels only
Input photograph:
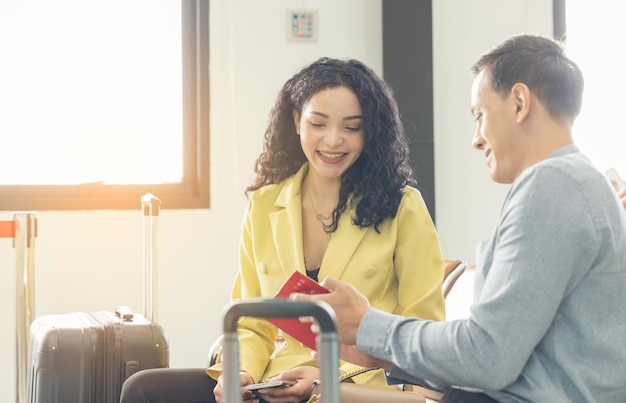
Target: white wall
[
  {"x": 467, "y": 201},
  {"x": 91, "y": 260}
]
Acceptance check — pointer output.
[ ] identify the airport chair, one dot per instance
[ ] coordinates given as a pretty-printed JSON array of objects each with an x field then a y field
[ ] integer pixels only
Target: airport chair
[{"x": 452, "y": 271}]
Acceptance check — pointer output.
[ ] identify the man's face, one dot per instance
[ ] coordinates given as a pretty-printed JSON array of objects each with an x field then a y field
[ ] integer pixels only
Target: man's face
[{"x": 496, "y": 130}]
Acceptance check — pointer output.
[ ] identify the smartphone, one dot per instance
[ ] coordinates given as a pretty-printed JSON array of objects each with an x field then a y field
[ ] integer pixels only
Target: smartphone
[
  {"x": 268, "y": 384},
  {"x": 616, "y": 179}
]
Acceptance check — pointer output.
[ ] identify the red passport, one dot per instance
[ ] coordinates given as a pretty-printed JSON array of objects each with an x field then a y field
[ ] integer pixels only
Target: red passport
[{"x": 301, "y": 331}]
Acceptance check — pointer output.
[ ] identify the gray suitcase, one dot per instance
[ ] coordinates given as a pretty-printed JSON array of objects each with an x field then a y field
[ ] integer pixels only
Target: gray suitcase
[
  {"x": 327, "y": 343},
  {"x": 85, "y": 357}
]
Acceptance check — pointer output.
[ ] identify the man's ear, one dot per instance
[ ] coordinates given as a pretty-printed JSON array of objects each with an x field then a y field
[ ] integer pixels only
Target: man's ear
[
  {"x": 522, "y": 98},
  {"x": 296, "y": 121}
]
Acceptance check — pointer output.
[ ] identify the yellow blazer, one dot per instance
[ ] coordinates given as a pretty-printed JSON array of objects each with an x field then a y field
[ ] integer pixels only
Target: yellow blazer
[{"x": 399, "y": 270}]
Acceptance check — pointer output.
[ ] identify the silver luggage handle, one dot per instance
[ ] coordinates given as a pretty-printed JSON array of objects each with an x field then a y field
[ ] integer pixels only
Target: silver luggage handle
[
  {"x": 151, "y": 207},
  {"x": 327, "y": 340}
]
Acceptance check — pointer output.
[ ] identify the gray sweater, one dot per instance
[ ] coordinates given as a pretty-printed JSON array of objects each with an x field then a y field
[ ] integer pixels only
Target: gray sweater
[{"x": 548, "y": 320}]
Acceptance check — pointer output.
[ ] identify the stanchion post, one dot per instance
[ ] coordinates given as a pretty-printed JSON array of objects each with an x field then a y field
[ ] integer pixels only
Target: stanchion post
[{"x": 25, "y": 231}]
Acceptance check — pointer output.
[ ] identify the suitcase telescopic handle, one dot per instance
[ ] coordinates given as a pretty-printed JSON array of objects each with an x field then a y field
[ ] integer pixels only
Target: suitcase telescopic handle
[
  {"x": 151, "y": 207},
  {"x": 282, "y": 308}
]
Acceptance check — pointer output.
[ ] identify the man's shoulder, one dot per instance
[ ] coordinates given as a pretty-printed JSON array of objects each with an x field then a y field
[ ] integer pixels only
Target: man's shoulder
[
  {"x": 561, "y": 171},
  {"x": 567, "y": 187}
]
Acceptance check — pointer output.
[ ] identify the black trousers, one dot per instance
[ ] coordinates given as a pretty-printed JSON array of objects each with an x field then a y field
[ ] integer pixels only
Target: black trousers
[
  {"x": 453, "y": 395},
  {"x": 193, "y": 385},
  {"x": 169, "y": 385}
]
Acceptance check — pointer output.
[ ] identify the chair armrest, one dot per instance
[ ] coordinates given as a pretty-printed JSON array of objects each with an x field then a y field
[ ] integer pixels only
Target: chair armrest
[
  {"x": 430, "y": 394},
  {"x": 453, "y": 270}
]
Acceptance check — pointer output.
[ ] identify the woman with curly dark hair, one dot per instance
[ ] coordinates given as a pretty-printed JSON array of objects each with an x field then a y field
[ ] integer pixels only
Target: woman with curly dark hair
[
  {"x": 378, "y": 176},
  {"x": 332, "y": 196}
]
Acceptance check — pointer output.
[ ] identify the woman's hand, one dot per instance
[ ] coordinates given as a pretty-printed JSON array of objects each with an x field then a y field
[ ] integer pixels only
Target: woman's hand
[
  {"x": 245, "y": 379},
  {"x": 296, "y": 392}
]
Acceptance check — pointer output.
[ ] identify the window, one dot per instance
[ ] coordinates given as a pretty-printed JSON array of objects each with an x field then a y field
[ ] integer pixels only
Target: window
[
  {"x": 102, "y": 102},
  {"x": 595, "y": 36}
]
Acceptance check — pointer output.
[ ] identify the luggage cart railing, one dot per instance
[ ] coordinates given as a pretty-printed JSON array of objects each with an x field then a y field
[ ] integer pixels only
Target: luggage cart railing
[{"x": 23, "y": 230}]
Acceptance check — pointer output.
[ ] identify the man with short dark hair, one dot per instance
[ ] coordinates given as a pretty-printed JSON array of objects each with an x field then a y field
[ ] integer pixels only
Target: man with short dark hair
[{"x": 548, "y": 320}]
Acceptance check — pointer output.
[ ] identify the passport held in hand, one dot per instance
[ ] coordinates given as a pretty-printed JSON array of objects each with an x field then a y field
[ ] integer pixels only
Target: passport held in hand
[{"x": 301, "y": 331}]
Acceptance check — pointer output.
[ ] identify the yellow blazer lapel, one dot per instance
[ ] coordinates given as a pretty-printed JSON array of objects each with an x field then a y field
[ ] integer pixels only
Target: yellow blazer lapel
[
  {"x": 287, "y": 225},
  {"x": 342, "y": 246}
]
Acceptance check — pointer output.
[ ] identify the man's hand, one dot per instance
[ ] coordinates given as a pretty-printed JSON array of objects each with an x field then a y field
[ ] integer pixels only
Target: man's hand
[
  {"x": 349, "y": 305},
  {"x": 622, "y": 196}
]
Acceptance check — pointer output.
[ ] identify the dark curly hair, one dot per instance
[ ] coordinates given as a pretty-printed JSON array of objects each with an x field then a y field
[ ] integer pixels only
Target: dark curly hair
[{"x": 377, "y": 177}]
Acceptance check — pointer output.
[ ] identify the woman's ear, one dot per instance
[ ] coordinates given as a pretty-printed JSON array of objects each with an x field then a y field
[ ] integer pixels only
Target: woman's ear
[
  {"x": 296, "y": 121},
  {"x": 522, "y": 98}
]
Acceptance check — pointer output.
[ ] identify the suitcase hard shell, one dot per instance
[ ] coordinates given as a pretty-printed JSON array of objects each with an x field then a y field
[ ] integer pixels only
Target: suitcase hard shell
[{"x": 85, "y": 357}]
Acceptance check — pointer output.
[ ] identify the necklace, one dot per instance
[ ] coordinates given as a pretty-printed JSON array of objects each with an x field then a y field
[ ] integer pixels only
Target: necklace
[{"x": 320, "y": 217}]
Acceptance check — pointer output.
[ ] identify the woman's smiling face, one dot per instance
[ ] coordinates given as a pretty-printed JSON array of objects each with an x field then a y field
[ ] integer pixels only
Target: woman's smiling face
[{"x": 331, "y": 130}]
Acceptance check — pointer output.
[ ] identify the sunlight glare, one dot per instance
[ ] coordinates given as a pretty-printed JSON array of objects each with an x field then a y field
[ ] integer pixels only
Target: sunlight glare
[
  {"x": 91, "y": 92},
  {"x": 595, "y": 38}
]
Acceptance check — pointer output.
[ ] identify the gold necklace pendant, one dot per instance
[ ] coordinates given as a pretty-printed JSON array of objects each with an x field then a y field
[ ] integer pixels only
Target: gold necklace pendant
[{"x": 321, "y": 217}]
